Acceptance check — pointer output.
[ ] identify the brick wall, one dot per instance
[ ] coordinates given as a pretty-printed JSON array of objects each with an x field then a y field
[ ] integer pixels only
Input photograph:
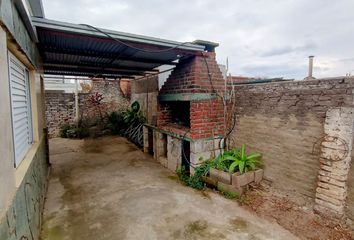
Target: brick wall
[
  {"x": 207, "y": 118},
  {"x": 350, "y": 198},
  {"x": 197, "y": 75},
  {"x": 285, "y": 122},
  {"x": 192, "y": 76},
  {"x": 60, "y": 107},
  {"x": 113, "y": 97},
  {"x": 335, "y": 159}
]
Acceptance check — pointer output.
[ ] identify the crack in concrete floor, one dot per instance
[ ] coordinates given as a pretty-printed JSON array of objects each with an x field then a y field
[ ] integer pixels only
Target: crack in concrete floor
[{"x": 108, "y": 189}]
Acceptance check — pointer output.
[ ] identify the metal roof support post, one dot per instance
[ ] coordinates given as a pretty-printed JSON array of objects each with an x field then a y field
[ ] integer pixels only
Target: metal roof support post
[{"x": 77, "y": 110}]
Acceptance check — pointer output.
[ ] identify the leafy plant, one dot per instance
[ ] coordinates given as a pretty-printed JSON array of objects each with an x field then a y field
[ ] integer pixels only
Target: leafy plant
[
  {"x": 238, "y": 160},
  {"x": 96, "y": 100},
  {"x": 195, "y": 180},
  {"x": 64, "y": 128},
  {"x": 76, "y": 130},
  {"x": 133, "y": 115},
  {"x": 115, "y": 122}
]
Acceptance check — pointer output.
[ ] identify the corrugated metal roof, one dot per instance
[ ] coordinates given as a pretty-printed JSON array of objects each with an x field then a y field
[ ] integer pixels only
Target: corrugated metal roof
[{"x": 81, "y": 50}]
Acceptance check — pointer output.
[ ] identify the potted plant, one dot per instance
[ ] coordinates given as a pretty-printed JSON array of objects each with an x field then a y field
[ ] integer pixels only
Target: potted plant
[{"x": 237, "y": 168}]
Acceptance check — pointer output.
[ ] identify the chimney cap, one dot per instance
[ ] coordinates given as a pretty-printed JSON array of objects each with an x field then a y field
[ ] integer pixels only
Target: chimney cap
[{"x": 311, "y": 56}]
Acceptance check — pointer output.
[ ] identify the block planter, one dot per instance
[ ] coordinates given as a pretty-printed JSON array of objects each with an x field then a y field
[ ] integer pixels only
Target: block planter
[
  {"x": 241, "y": 180},
  {"x": 258, "y": 175},
  {"x": 220, "y": 176},
  {"x": 235, "y": 181}
]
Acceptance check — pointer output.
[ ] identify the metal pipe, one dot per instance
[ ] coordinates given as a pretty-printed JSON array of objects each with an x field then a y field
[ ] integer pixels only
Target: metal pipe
[
  {"x": 77, "y": 101},
  {"x": 310, "y": 67}
]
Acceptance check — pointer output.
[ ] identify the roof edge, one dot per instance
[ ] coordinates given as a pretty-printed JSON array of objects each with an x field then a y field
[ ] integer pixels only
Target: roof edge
[
  {"x": 37, "y": 8},
  {"x": 86, "y": 30}
]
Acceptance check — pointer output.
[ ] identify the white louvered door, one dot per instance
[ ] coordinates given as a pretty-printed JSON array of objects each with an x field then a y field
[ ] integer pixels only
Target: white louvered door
[{"x": 20, "y": 107}]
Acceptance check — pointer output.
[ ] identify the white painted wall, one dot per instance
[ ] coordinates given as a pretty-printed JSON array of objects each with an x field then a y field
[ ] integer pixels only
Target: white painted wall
[
  {"x": 11, "y": 177},
  {"x": 7, "y": 177}
]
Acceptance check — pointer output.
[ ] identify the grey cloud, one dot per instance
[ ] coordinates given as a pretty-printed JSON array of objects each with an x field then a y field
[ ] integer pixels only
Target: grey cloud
[
  {"x": 346, "y": 60},
  {"x": 289, "y": 49},
  {"x": 280, "y": 70},
  {"x": 276, "y": 34}
]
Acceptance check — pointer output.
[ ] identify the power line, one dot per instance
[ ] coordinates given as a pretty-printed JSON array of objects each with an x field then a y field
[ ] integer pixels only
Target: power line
[{"x": 133, "y": 47}]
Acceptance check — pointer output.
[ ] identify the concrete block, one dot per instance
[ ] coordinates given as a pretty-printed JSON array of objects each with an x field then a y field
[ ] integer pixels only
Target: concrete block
[
  {"x": 210, "y": 181},
  {"x": 174, "y": 153},
  {"x": 258, "y": 175},
  {"x": 173, "y": 163},
  {"x": 197, "y": 158},
  {"x": 240, "y": 180},
  {"x": 163, "y": 161},
  {"x": 220, "y": 176},
  {"x": 202, "y": 146},
  {"x": 250, "y": 176}
]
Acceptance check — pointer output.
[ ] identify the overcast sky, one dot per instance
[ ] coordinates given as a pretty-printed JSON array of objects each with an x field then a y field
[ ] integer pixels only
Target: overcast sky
[{"x": 270, "y": 38}]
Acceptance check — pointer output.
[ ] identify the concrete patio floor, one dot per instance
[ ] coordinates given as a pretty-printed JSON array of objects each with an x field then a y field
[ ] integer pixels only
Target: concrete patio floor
[{"x": 108, "y": 189}]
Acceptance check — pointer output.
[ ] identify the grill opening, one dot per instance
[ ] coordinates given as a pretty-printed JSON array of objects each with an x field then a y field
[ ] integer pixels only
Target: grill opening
[{"x": 180, "y": 113}]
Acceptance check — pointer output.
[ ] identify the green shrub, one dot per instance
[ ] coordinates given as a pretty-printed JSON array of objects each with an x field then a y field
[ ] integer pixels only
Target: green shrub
[
  {"x": 64, "y": 128},
  {"x": 83, "y": 127},
  {"x": 115, "y": 122},
  {"x": 76, "y": 130}
]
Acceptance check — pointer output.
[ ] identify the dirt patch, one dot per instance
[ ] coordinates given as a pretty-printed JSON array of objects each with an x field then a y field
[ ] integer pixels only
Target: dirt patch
[
  {"x": 200, "y": 229},
  {"x": 92, "y": 146},
  {"x": 239, "y": 224},
  {"x": 300, "y": 220}
]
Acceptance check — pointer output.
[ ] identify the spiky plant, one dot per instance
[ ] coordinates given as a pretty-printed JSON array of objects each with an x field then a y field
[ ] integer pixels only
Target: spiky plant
[{"x": 238, "y": 160}]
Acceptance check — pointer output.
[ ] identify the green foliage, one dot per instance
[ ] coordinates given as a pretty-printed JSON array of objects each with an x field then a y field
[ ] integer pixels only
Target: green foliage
[
  {"x": 115, "y": 122},
  {"x": 65, "y": 128},
  {"x": 76, "y": 130},
  {"x": 237, "y": 160},
  {"x": 133, "y": 115},
  {"x": 228, "y": 194},
  {"x": 196, "y": 180}
]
